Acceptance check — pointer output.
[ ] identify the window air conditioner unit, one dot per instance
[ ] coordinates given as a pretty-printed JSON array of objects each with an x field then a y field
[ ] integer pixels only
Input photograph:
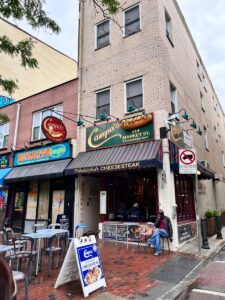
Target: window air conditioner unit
[{"x": 205, "y": 163}]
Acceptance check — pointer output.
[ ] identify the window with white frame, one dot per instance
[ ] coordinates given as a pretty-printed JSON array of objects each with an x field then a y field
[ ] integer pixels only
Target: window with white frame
[
  {"x": 4, "y": 135},
  {"x": 223, "y": 158},
  {"x": 168, "y": 26},
  {"x": 102, "y": 103},
  {"x": 173, "y": 99},
  {"x": 102, "y": 34},
  {"x": 132, "y": 23},
  {"x": 134, "y": 93},
  {"x": 202, "y": 101},
  {"x": 55, "y": 111},
  {"x": 206, "y": 138}
]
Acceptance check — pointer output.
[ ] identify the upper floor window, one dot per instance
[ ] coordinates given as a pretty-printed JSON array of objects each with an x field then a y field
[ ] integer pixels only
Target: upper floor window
[
  {"x": 223, "y": 158},
  {"x": 134, "y": 93},
  {"x": 168, "y": 26},
  {"x": 206, "y": 138},
  {"x": 4, "y": 135},
  {"x": 55, "y": 111},
  {"x": 102, "y": 103},
  {"x": 198, "y": 70},
  {"x": 132, "y": 22},
  {"x": 102, "y": 34},
  {"x": 173, "y": 99},
  {"x": 202, "y": 101}
]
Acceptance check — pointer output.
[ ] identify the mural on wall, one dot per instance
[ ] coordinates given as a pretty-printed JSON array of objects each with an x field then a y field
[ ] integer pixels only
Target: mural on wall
[{"x": 3, "y": 198}]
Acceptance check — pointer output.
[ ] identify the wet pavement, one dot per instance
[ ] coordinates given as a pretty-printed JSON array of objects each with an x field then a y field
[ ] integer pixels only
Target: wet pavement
[{"x": 135, "y": 273}]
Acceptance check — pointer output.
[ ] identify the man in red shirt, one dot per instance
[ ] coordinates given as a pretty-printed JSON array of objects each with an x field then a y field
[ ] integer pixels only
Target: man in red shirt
[{"x": 163, "y": 229}]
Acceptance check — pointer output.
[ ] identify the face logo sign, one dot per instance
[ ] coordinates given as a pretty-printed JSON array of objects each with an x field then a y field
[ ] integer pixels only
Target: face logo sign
[{"x": 54, "y": 129}]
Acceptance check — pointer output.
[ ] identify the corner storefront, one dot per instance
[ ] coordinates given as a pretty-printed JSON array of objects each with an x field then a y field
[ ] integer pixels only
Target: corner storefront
[
  {"x": 38, "y": 189},
  {"x": 119, "y": 168}
]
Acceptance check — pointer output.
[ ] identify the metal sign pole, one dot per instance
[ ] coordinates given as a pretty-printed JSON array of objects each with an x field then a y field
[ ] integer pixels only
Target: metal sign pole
[{"x": 197, "y": 214}]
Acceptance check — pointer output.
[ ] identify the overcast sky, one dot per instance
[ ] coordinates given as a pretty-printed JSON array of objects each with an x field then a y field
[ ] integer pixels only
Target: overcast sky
[{"x": 205, "y": 18}]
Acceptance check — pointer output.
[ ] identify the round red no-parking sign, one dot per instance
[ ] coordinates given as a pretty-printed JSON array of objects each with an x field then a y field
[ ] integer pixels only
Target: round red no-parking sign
[{"x": 187, "y": 157}]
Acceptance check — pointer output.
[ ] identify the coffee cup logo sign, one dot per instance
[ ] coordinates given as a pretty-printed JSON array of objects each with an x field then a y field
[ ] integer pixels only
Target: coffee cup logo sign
[{"x": 54, "y": 129}]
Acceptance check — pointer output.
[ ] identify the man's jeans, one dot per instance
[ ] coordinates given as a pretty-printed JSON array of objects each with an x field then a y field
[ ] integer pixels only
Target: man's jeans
[{"x": 155, "y": 239}]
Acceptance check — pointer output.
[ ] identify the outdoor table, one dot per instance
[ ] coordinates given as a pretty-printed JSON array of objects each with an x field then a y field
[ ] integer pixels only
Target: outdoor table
[
  {"x": 42, "y": 234},
  {"x": 5, "y": 248}
]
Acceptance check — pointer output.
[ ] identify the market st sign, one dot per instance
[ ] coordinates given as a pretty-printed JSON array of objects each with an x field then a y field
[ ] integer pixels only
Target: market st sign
[{"x": 111, "y": 134}]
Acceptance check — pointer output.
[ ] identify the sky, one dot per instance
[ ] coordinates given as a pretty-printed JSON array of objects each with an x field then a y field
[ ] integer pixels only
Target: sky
[{"x": 205, "y": 19}]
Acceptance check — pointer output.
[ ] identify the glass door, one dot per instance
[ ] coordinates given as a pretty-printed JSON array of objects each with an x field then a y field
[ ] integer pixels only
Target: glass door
[
  {"x": 31, "y": 211},
  {"x": 58, "y": 198},
  {"x": 18, "y": 211}
]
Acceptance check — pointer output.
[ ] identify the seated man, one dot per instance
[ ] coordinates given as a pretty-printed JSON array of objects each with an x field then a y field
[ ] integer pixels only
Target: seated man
[{"x": 163, "y": 229}]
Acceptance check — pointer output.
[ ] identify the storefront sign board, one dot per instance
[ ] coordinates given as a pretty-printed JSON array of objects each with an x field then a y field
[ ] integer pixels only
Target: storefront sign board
[
  {"x": 111, "y": 134},
  {"x": 177, "y": 135},
  {"x": 4, "y": 161},
  {"x": 87, "y": 264},
  {"x": 42, "y": 154},
  {"x": 187, "y": 161},
  {"x": 103, "y": 206},
  {"x": 186, "y": 232},
  {"x": 4, "y": 101}
]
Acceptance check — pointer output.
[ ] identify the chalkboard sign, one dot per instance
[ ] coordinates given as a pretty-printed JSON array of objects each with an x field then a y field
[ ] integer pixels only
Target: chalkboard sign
[
  {"x": 109, "y": 231},
  {"x": 186, "y": 232}
]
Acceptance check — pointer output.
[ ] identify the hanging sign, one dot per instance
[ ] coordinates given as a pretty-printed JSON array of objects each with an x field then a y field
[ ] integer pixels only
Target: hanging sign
[
  {"x": 83, "y": 261},
  {"x": 54, "y": 129},
  {"x": 187, "y": 161}
]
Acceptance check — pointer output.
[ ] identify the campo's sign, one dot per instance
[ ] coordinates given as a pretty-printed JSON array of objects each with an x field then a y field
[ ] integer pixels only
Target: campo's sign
[
  {"x": 4, "y": 161},
  {"x": 54, "y": 129},
  {"x": 42, "y": 154},
  {"x": 111, "y": 134}
]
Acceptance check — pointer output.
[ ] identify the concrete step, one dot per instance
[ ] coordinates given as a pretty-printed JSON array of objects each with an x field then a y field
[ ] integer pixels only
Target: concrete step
[{"x": 197, "y": 294}]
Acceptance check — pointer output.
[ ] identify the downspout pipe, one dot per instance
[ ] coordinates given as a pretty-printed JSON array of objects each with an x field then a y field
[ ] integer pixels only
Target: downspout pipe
[{"x": 16, "y": 125}]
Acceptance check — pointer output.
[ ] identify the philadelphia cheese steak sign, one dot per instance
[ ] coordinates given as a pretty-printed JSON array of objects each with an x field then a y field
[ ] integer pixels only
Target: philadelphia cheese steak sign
[
  {"x": 42, "y": 154},
  {"x": 115, "y": 167},
  {"x": 111, "y": 134}
]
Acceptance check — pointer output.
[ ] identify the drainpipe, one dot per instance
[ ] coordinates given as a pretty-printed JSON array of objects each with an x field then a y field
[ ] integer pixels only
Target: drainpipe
[{"x": 16, "y": 126}]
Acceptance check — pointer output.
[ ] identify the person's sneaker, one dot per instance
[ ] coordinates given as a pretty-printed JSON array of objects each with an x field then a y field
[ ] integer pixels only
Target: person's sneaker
[
  {"x": 157, "y": 254},
  {"x": 148, "y": 245}
]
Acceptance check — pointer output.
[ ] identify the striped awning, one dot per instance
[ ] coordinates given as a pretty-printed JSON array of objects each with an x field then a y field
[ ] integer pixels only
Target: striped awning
[{"x": 122, "y": 158}]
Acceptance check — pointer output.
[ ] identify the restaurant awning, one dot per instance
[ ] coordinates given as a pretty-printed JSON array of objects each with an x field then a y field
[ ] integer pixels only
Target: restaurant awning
[
  {"x": 3, "y": 173},
  {"x": 122, "y": 158},
  {"x": 38, "y": 171},
  {"x": 206, "y": 173}
]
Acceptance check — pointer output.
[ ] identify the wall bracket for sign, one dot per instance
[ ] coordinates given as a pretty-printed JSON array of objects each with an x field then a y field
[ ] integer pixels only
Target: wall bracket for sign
[{"x": 83, "y": 261}]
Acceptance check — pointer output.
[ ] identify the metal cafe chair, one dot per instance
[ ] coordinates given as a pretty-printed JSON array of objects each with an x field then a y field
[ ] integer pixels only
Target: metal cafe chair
[
  {"x": 20, "y": 265},
  {"x": 53, "y": 247},
  {"x": 54, "y": 226},
  {"x": 10, "y": 239}
]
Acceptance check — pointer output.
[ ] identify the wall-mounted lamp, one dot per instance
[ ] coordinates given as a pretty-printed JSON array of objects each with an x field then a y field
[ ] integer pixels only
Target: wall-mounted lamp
[
  {"x": 193, "y": 124},
  {"x": 185, "y": 115},
  {"x": 103, "y": 117},
  {"x": 199, "y": 131},
  {"x": 80, "y": 122},
  {"x": 132, "y": 107}
]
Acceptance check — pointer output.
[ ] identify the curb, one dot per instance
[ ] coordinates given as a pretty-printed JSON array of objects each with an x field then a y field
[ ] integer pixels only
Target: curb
[{"x": 183, "y": 288}]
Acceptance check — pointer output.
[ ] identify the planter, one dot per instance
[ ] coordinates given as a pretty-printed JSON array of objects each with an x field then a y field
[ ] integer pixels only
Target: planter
[
  {"x": 222, "y": 219},
  {"x": 211, "y": 226}
]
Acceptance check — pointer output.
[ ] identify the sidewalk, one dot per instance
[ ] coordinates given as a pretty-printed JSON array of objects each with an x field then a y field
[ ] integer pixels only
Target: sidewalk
[{"x": 135, "y": 273}]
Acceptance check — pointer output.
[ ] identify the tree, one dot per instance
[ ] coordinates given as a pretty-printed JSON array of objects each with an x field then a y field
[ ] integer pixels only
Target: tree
[
  {"x": 33, "y": 12},
  {"x": 110, "y": 6}
]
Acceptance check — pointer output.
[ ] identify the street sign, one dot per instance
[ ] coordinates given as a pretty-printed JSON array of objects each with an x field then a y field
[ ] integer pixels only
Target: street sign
[
  {"x": 187, "y": 161},
  {"x": 83, "y": 261}
]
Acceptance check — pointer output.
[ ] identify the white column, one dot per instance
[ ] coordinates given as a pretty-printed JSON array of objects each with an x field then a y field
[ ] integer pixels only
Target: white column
[{"x": 166, "y": 192}]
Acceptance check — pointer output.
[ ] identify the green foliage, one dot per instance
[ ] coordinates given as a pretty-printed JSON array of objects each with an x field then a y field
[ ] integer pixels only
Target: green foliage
[
  {"x": 111, "y": 5},
  {"x": 222, "y": 212},
  {"x": 209, "y": 213},
  {"x": 32, "y": 11},
  {"x": 4, "y": 118}
]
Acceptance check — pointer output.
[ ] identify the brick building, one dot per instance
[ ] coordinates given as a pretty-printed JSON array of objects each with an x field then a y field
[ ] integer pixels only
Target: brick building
[
  {"x": 37, "y": 189},
  {"x": 145, "y": 62}
]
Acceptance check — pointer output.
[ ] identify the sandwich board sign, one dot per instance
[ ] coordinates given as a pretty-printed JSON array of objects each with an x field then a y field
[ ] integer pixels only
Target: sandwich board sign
[
  {"x": 83, "y": 261},
  {"x": 187, "y": 161}
]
